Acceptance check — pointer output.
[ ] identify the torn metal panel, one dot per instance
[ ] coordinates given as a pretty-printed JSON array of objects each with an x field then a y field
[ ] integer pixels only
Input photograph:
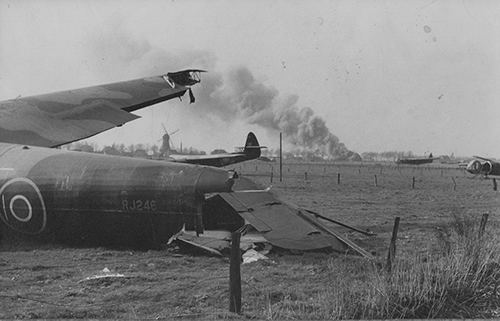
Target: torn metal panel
[
  {"x": 274, "y": 221},
  {"x": 217, "y": 242},
  {"x": 280, "y": 223},
  {"x": 253, "y": 256},
  {"x": 244, "y": 207},
  {"x": 203, "y": 243}
]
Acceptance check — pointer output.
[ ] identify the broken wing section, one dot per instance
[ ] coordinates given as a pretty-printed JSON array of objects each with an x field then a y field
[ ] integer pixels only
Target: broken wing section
[
  {"x": 279, "y": 223},
  {"x": 282, "y": 224},
  {"x": 59, "y": 118}
]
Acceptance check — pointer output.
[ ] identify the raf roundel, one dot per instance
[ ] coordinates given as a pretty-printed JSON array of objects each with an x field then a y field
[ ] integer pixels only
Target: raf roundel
[{"x": 22, "y": 207}]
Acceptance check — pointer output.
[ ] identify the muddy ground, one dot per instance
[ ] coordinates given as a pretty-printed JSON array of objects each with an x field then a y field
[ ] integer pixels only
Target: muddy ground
[{"x": 49, "y": 282}]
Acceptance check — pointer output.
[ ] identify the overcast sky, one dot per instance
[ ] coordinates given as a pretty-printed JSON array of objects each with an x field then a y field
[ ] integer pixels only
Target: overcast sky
[{"x": 383, "y": 75}]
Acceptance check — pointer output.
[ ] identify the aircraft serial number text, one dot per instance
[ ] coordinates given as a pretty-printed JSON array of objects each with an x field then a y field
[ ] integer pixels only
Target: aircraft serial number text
[{"x": 139, "y": 205}]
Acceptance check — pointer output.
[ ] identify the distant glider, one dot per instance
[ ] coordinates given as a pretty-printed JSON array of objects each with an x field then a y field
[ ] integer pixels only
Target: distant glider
[
  {"x": 416, "y": 160},
  {"x": 250, "y": 151}
]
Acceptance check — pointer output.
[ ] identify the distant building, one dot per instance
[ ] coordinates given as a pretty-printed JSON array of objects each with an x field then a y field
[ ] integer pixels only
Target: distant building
[
  {"x": 84, "y": 148},
  {"x": 218, "y": 151},
  {"x": 140, "y": 153},
  {"x": 110, "y": 150}
]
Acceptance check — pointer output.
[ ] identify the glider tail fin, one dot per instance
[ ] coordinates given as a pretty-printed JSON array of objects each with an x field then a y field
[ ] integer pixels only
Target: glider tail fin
[{"x": 252, "y": 147}]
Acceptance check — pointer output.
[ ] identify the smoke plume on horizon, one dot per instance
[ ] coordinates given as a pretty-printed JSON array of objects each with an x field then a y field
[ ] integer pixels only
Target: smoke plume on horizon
[{"x": 237, "y": 95}]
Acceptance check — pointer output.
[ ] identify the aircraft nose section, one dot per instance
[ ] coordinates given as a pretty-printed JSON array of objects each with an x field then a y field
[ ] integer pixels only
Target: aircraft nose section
[
  {"x": 214, "y": 180},
  {"x": 474, "y": 167}
]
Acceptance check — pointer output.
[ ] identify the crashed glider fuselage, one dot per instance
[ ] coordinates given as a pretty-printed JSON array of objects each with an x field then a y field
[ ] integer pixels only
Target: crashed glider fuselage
[{"x": 67, "y": 196}]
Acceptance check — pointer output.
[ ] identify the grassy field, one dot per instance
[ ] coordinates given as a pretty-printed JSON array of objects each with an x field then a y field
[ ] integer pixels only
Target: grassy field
[{"x": 442, "y": 268}]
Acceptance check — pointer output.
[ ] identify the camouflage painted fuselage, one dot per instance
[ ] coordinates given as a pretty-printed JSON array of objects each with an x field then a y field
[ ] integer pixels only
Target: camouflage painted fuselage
[{"x": 55, "y": 195}]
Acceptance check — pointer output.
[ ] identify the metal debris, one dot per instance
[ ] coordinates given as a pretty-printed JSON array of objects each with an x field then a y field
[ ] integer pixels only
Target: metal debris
[
  {"x": 253, "y": 256},
  {"x": 104, "y": 274}
]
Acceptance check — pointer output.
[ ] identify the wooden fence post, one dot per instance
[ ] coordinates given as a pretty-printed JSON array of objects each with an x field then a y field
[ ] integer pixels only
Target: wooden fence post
[
  {"x": 454, "y": 184},
  {"x": 482, "y": 226},
  {"x": 392, "y": 247},
  {"x": 235, "y": 274},
  {"x": 376, "y": 183},
  {"x": 338, "y": 178},
  {"x": 281, "y": 157},
  {"x": 495, "y": 187},
  {"x": 413, "y": 182}
]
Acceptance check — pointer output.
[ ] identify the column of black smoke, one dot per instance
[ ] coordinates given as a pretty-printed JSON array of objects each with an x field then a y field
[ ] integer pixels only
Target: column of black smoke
[{"x": 238, "y": 95}]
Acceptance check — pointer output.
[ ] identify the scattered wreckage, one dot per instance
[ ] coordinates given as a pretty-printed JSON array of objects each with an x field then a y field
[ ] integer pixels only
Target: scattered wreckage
[{"x": 266, "y": 221}]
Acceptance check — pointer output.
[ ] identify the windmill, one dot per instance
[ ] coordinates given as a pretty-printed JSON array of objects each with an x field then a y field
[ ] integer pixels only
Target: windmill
[{"x": 166, "y": 146}]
